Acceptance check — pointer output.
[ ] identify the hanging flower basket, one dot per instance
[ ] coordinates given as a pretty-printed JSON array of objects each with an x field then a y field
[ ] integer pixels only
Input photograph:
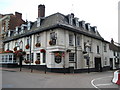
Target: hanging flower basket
[
  {"x": 50, "y": 42},
  {"x": 58, "y": 54},
  {"x": 37, "y": 44},
  {"x": 27, "y": 46},
  {"x": 15, "y": 48},
  {"x": 19, "y": 53},
  {"x": 42, "y": 51},
  {"x": 37, "y": 62},
  {"x": 26, "y": 61}
]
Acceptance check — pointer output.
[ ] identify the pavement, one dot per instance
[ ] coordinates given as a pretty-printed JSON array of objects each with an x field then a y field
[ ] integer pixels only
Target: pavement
[{"x": 14, "y": 78}]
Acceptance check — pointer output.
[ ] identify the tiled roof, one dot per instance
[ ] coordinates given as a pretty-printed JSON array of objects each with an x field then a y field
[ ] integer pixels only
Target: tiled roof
[
  {"x": 56, "y": 20},
  {"x": 113, "y": 47}
]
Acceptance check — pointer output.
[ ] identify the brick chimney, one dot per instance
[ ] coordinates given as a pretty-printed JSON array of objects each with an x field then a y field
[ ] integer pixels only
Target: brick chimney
[
  {"x": 41, "y": 10},
  {"x": 18, "y": 15}
]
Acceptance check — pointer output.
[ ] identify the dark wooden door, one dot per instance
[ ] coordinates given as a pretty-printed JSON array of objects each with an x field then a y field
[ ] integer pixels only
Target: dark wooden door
[
  {"x": 111, "y": 63},
  {"x": 98, "y": 65}
]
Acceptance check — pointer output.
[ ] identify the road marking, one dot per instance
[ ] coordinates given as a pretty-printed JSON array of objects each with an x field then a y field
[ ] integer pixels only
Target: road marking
[
  {"x": 104, "y": 84},
  {"x": 95, "y": 86}
]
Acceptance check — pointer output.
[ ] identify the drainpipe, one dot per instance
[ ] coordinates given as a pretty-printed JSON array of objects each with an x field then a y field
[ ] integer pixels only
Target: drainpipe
[{"x": 75, "y": 51}]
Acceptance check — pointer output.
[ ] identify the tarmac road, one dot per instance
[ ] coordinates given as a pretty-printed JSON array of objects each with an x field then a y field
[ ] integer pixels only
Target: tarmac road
[{"x": 13, "y": 78}]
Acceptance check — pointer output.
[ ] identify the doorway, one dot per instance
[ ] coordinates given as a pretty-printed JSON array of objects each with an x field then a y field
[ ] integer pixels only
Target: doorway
[
  {"x": 98, "y": 66},
  {"x": 111, "y": 63}
]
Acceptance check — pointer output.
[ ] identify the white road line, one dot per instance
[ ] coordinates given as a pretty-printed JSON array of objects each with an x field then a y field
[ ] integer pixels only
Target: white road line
[
  {"x": 104, "y": 84},
  {"x": 95, "y": 86}
]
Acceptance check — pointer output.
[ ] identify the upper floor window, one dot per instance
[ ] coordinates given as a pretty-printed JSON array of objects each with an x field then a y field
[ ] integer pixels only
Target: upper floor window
[
  {"x": 8, "y": 45},
  {"x": 28, "y": 41},
  {"x": 84, "y": 46},
  {"x": 38, "y": 39},
  {"x": 71, "y": 39},
  {"x": 105, "y": 48},
  {"x": 118, "y": 54},
  {"x": 16, "y": 44},
  {"x": 21, "y": 45},
  {"x": 114, "y": 53},
  {"x": 78, "y": 40},
  {"x": 98, "y": 50},
  {"x": 53, "y": 35}
]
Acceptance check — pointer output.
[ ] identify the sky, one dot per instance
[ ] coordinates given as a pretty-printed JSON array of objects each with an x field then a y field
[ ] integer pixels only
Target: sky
[{"x": 100, "y": 13}]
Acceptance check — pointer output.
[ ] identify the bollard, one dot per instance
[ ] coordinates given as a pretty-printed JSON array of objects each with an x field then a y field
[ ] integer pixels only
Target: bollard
[
  {"x": 116, "y": 77},
  {"x": 118, "y": 81}
]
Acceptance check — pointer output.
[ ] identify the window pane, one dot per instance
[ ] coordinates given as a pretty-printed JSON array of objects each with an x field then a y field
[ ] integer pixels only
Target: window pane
[
  {"x": 32, "y": 57},
  {"x": 28, "y": 57},
  {"x": 71, "y": 56},
  {"x": 10, "y": 58},
  {"x": 38, "y": 56},
  {"x": 70, "y": 39},
  {"x": 38, "y": 39},
  {"x": 3, "y": 58},
  {"x": 6, "y": 58},
  {"x": 78, "y": 40},
  {"x": 28, "y": 41},
  {"x": 53, "y": 35},
  {"x": 98, "y": 49},
  {"x": 44, "y": 57}
]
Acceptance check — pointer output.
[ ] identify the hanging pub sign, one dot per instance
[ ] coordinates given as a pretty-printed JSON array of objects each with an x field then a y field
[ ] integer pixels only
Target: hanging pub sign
[{"x": 58, "y": 57}]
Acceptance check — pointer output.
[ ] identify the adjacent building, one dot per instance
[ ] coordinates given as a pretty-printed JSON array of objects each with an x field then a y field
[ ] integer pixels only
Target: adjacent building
[
  {"x": 9, "y": 22},
  {"x": 114, "y": 55},
  {"x": 59, "y": 42}
]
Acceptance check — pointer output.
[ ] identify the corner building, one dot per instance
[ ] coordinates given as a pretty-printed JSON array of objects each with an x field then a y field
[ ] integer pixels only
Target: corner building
[{"x": 58, "y": 42}]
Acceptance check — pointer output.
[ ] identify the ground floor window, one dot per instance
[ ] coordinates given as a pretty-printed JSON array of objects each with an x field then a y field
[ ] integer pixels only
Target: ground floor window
[
  {"x": 44, "y": 57},
  {"x": 28, "y": 57},
  {"x": 38, "y": 56},
  {"x": 10, "y": 58},
  {"x": 32, "y": 57},
  {"x": 105, "y": 61},
  {"x": 71, "y": 56},
  {"x": 7, "y": 58}
]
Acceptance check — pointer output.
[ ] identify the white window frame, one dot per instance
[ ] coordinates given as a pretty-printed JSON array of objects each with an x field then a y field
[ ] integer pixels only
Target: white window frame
[
  {"x": 71, "y": 57},
  {"x": 105, "y": 61},
  {"x": 71, "y": 40},
  {"x": 38, "y": 39},
  {"x": 78, "y": 40}
]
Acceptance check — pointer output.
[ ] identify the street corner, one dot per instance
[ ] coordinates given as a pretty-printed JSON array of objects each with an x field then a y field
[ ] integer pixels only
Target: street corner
[{"x": 103, "y": 82}]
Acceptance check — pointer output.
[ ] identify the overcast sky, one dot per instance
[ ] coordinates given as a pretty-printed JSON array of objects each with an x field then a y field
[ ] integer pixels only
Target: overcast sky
[{"x": 100, "y": 13}]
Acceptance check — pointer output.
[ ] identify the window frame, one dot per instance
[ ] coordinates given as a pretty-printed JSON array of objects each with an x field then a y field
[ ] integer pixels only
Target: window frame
[
  {"x": 98, "y": 49},
  {"x": 71, "y": 40},
  {"x": 71, "y": 57},
  {"x": 37, "y": 56}
]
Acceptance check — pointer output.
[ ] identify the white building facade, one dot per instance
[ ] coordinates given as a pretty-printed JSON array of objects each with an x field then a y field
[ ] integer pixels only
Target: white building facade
[{"x": 58, "y": 42}]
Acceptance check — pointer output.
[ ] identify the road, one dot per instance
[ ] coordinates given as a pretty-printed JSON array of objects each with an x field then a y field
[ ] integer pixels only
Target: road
[{"x": 13, "y": 78}]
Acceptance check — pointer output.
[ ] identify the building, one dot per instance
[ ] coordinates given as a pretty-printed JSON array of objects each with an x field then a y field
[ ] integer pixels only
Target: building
[
  {"x": 9, "y": 22},
  {"x": 60, "y": 42},
  {"x": 114, "y": 55}
]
